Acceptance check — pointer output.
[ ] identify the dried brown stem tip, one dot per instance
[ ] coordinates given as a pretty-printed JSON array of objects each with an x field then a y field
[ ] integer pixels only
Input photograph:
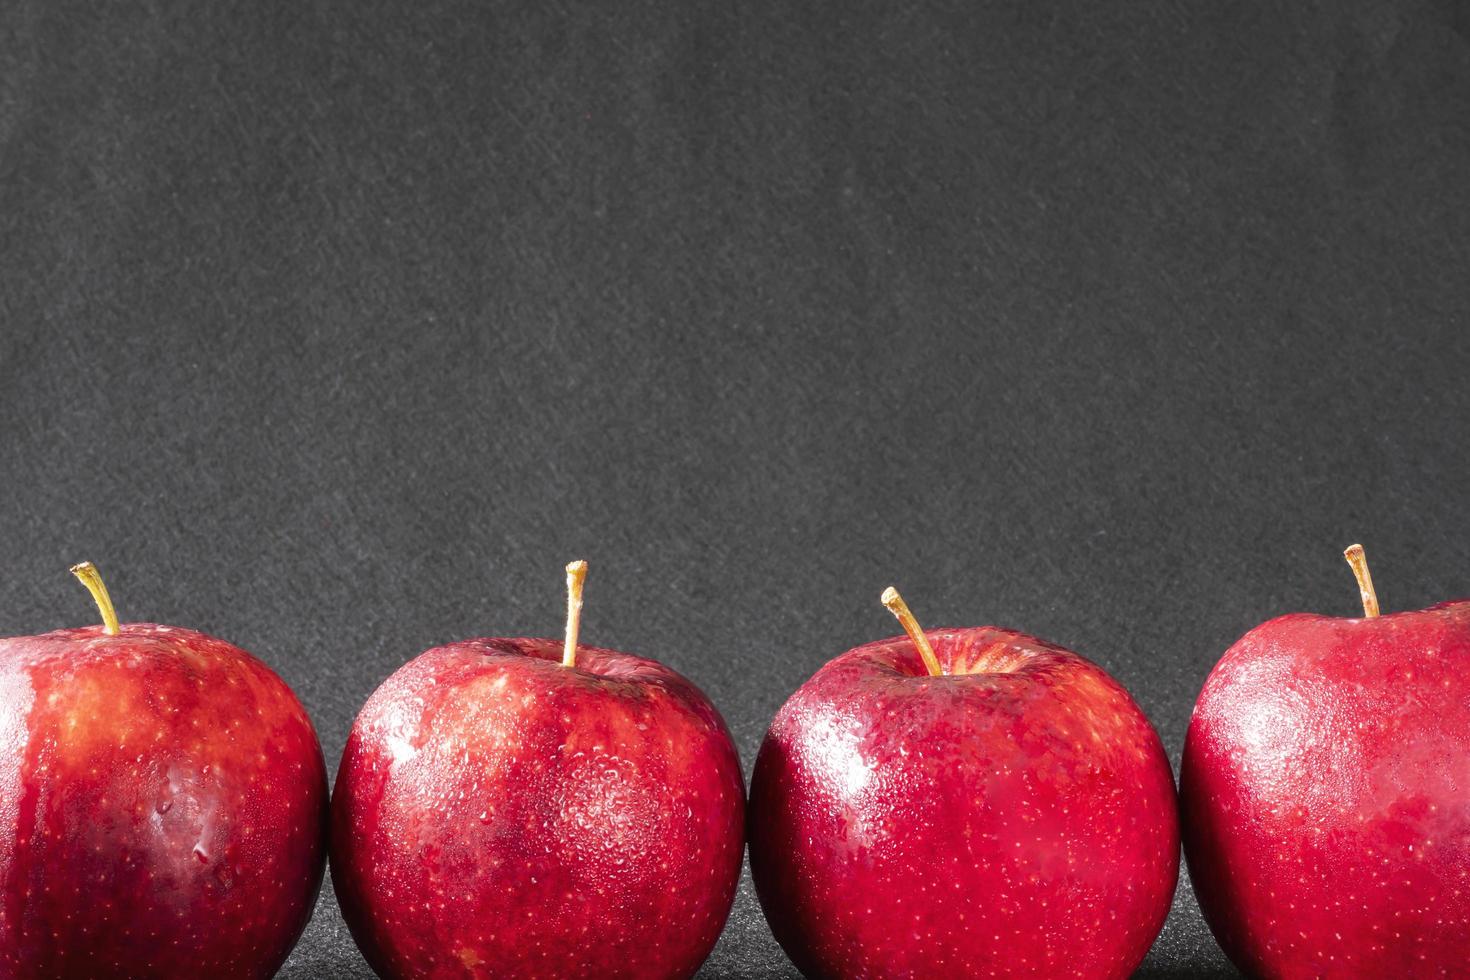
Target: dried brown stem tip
[
  {"x": 576, "y": 575},
  {"x": 1356, "y": 558},
  {"x": 899, "y": 608},
  {"x": 87, "y": 574}
]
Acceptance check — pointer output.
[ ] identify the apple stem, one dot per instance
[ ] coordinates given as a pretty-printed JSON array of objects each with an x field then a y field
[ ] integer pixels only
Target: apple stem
[
  {"x": 899, "y": 608},
  {"x": 87, "y": 574},
  {"x": 576, "y": 575},
  {"x": 1356, "y": 558}
]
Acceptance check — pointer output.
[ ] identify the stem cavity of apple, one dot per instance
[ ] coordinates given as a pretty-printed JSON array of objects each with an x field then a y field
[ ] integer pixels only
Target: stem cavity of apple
[
  {"x": 87, "y": 574},
  {"x": 1356, "y": 558},
  {"x": 900, "y": 609},
  {"x": 576, "y": 575}
]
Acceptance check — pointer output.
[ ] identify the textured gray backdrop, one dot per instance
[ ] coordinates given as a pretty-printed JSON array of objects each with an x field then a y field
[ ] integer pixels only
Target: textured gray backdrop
[{"x": 336, "y": 328}]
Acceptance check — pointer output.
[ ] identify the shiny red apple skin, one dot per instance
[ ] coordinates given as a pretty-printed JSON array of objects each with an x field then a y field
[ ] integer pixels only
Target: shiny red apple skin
[
  {"x": 1016, "y": 818},
  {"x": 1326, "y": 796},
  {"x": 498, "y": 814},
  {"x": 163, "y": 807}
]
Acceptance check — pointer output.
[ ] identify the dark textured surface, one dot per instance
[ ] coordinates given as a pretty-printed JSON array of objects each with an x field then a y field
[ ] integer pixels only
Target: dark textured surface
[{"x": 336, "y": 328}]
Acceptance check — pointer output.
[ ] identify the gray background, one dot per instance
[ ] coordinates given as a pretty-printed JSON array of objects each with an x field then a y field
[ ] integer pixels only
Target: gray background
[{"x": 336, "y": 328}]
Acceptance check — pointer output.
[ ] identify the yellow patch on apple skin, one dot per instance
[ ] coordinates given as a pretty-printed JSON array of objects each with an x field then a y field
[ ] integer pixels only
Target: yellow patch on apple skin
[
  {"x": 469, "y": 958},
  {"x": 1092, "y": 686},
  {"x": 98, "y": 709}
]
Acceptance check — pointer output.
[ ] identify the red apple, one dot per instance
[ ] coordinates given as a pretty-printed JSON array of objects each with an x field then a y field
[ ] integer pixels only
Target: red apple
[
  {"x": 1326, "y": 794},
  {"x": 963, "y": 803},
  {"x": 163, "y": 805},
  {"x": 532, "y": 808}
]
